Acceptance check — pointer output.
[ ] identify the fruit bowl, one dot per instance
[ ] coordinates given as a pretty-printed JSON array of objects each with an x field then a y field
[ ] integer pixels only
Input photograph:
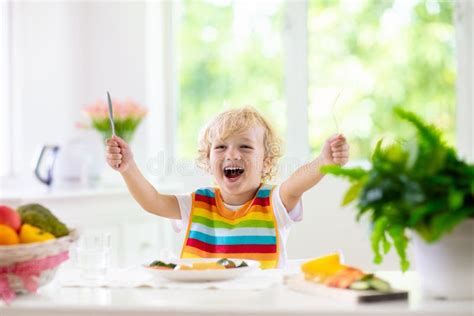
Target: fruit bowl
[{"x": 26, "y": 267}]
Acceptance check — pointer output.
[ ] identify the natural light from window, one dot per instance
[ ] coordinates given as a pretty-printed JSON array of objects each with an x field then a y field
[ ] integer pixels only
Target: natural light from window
[
  {"x": 230, "y": 55},
  {"x": 377, "y": 55}
]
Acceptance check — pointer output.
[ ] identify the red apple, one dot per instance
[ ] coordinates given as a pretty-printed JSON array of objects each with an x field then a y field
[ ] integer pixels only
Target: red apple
[{"x": 10, "y": 217}]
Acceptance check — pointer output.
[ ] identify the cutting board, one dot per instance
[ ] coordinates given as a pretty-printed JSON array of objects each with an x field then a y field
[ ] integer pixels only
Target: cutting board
[{"x": 297, "y": 282}]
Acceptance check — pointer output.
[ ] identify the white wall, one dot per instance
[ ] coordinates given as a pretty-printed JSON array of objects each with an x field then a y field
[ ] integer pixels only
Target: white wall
[
  {"x": 327, "y": 227},
  {"x": 67, "y": 55}
]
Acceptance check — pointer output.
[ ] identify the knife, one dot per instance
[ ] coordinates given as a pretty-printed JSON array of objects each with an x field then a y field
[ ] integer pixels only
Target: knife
[{"x": 111, "y": 114}]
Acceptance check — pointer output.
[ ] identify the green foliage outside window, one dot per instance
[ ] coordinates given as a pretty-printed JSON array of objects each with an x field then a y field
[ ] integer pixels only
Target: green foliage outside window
[
  {"x": 380, "y": 54},
  {"x": 230, "y": 55}
]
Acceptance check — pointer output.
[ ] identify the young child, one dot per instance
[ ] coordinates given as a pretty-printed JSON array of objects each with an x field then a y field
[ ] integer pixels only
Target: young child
[{"x": 243, "y": 216}]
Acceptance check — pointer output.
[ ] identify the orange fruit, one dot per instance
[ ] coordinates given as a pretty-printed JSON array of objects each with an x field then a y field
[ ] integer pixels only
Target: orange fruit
[{"x": 8, "y": 236}]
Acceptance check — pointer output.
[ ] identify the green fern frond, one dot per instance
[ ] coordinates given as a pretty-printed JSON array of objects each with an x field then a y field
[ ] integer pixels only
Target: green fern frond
[
  {"x": 353, "y": 174},
  {"x": 426, "y": 132}
]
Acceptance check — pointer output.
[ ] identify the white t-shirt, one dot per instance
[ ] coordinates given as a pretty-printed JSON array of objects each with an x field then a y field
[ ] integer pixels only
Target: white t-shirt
[{"x": 284, "y": 218}]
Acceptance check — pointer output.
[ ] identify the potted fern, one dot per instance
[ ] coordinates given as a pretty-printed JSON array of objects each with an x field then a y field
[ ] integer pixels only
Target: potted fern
[{"x": 419, "y": 190}]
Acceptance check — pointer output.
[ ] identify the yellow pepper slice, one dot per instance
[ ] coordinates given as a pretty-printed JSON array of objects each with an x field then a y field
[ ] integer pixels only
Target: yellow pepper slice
[{"x": 30, "y": 234}]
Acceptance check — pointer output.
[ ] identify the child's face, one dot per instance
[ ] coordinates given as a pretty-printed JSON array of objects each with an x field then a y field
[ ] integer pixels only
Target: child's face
[{"x": 237, "y": 162}]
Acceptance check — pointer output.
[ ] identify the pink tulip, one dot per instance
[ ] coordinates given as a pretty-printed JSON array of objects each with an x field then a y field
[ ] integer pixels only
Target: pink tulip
[{"x": 122, "y": 110}]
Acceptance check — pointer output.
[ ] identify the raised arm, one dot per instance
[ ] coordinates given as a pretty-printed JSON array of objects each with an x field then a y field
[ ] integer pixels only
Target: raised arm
[
  {"x": 120, "y": 158},
  {"x": 335, "y": 151}
]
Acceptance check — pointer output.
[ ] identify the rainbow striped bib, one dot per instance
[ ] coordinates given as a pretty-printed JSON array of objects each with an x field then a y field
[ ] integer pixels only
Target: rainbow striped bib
[{"x": 247, "y": 233}]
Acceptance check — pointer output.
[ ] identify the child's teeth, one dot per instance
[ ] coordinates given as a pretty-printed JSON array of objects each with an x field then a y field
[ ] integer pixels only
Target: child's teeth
[{"x": 233, "y": 170}]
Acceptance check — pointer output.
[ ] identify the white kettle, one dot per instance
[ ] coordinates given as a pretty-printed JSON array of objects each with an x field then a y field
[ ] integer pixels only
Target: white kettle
[{"x": 76, "y": 163}]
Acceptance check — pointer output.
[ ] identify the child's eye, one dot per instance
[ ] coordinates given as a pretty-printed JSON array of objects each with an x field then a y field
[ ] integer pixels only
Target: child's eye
[
  {"x": 246, "y": 147},
  {"x": 220, "y": 147}
]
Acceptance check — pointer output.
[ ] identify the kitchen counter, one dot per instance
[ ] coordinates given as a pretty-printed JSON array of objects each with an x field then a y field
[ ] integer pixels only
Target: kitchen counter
[
  {"x": 274, "y": 300},
  {"x": 32, "y": 190}
]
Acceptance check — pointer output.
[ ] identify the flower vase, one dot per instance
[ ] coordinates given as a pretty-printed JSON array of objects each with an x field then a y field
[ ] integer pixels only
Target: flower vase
[{"x": 127, "y": 136}]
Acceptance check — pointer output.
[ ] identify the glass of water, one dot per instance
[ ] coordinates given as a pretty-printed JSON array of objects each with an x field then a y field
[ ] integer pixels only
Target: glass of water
[{"x": 93, "y": 255}]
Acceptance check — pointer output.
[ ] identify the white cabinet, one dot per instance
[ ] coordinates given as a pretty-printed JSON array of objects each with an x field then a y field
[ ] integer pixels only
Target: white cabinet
[{"x": 141, "y": 242}]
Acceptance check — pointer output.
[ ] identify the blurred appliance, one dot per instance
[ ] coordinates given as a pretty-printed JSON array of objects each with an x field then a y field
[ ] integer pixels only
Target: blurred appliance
[{"x": 76, "y": 163}]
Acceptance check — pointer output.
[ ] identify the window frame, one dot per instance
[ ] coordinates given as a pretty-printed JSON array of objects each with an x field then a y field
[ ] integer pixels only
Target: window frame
[
  {"x": 296, "y": 74},
  {"x": 162, "y": 81},
  {"x": 464, "y": 30}
]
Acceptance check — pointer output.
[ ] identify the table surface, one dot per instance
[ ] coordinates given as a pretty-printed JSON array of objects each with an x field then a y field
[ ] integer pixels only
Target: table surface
[{"x": 54, "y": 299}]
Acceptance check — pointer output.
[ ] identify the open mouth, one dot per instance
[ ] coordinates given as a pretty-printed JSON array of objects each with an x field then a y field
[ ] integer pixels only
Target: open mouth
[{"x": 233, "y": 172}]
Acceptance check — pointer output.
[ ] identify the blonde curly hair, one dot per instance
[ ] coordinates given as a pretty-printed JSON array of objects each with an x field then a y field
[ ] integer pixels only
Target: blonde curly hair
[{"x": 236, "y": 121}]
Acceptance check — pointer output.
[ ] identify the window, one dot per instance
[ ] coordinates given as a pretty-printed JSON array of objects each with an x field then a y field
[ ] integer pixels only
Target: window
[
  {"x": 230, "y": 55},
  {"x": 374, "y": 54},
  {"x": 379, "y": 54}
]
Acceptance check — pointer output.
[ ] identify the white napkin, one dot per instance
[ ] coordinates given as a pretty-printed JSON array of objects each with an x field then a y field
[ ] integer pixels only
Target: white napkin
[
  {"x": 115, "y": 278},
  {"x": 139, "y": 277}
]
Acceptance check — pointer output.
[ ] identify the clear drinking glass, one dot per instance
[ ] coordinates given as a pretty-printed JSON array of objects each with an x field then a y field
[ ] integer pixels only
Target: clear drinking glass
[{"x": 93, "y": 255}]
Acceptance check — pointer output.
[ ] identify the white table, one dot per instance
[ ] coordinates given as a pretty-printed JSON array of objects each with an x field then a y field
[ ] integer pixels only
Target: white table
[{"x": 278, "y": 300}]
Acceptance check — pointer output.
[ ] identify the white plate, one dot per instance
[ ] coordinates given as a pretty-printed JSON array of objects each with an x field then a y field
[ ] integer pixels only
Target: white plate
[{"x": 203, "y": 275}]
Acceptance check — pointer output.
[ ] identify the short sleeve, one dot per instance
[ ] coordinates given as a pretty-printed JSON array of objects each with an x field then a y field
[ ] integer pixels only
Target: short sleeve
[
  {"x": 185, "y": 202},
  {"x": 285, "y": 218}
]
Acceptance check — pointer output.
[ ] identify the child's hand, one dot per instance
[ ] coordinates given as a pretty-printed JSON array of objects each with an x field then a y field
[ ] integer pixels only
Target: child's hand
[
  {"x": 119, "y": 156},
  {"x": 335, "y": 151}
]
